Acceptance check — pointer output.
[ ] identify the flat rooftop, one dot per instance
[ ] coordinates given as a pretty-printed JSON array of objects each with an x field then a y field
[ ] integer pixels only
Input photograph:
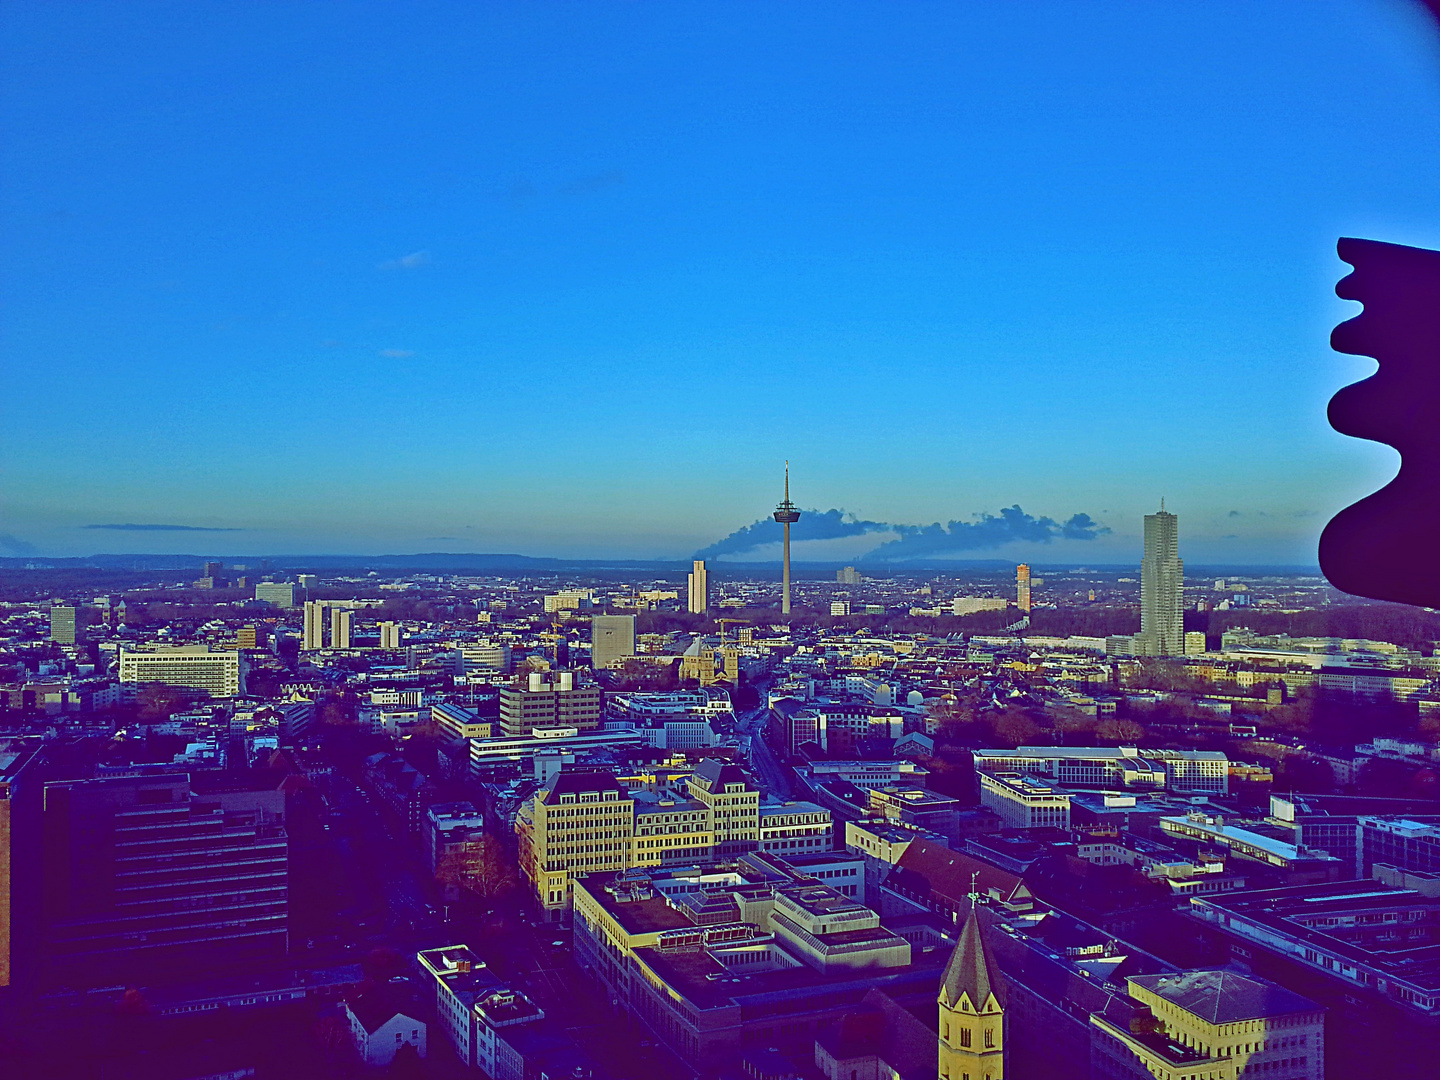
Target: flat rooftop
[
  {"x": 1296, "y": 914},
  {"x": 708, "y": 984}
]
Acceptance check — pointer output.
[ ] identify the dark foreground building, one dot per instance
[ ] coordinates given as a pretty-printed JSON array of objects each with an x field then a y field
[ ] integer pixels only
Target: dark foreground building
[{"x": 155, "y": 876}]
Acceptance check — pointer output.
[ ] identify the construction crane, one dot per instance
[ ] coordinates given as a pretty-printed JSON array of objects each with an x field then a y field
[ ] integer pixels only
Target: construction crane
[{"x": 722, "y": 622}]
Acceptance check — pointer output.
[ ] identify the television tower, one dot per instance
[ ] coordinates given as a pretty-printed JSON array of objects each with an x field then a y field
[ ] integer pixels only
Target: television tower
[{"x": 787, "y": 515}]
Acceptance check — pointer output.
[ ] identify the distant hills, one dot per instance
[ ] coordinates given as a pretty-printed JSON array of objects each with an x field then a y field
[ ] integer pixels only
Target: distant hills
[{"x": 502, "y": 563}]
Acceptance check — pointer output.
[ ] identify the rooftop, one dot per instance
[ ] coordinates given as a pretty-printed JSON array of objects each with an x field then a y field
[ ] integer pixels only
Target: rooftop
[{"x": 1224, "y": 997}]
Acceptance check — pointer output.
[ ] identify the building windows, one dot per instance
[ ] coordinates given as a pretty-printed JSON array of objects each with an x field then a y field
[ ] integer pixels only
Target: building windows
[{"x": 964, "y": 1036}]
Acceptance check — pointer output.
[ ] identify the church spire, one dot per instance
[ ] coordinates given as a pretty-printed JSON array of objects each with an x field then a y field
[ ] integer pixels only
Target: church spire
[
  {"x": 972, "y": 970},
  {"x": 972, "y": 1004}
]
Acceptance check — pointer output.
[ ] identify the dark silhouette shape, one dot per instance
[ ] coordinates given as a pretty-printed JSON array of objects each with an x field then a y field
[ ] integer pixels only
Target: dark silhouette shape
[{"x": 1387, "y": 545}]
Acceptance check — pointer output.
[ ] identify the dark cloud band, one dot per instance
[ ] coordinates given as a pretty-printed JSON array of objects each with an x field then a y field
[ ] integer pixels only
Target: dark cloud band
[
  {"x": 913, "y": 541},
  {"x": 131, "y": 526}
]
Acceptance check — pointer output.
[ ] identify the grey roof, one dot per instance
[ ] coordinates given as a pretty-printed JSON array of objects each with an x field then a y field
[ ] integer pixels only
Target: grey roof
[
  {"x": 972, "y": 969},
  {"x": 582, "y": 781},
  {"x": 717, "y": 771},
  {"x": 1224, "y": 997}
]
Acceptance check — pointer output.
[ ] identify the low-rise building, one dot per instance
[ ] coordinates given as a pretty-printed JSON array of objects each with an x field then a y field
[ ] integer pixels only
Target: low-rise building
[
  {"x": 381, "y": 1023},
  {"x": 792, "y": 827},
  {"x": 1111, "y": 767},
  {"x": 459, "y": 979}
]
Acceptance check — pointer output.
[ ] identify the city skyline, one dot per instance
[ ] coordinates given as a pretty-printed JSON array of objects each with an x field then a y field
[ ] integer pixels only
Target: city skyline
[{"x": 433, "y": 313}]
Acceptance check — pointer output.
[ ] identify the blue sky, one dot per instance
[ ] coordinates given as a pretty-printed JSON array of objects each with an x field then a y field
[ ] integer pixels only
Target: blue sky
[{"x": 575, "y": 279}]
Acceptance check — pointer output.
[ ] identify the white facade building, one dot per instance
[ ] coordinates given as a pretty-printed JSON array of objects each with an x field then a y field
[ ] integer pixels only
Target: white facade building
[
  {"x": 220, "y": 673},
  {"x": 1024, "y": 802}
]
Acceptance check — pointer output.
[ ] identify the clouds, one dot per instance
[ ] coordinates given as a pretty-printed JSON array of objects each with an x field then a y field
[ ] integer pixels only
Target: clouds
[
  {"x": 413, "y": 261},
  {"x": 813, "y": 525},
  {"x": 985, "y": 532},
  {"x": 131, "y": 526},
  {"x": 15, "y": 546}
]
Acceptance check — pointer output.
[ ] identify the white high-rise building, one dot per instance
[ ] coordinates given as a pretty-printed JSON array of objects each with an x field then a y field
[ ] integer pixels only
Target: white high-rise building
[
  {"x": 340, "y": 628},
  {"x": 699, "y": 589},
  {"x": 314, "y": 634},
  {"x": 389, "y": 635},
  {"x": 279, "y": 593},
  {"x": 1162, "y": 575}
]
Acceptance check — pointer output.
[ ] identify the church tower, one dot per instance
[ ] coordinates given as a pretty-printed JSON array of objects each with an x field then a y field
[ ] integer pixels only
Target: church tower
[{"x": 972, "y": 1007}]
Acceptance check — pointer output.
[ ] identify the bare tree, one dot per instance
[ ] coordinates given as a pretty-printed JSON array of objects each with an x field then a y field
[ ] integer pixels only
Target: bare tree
[{"x": 482, "y": 867}]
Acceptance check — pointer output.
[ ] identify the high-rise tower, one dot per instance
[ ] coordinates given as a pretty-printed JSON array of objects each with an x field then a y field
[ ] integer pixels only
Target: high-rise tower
[
  {"x": 787, "y": 515},
  {"x": 1162, "y": 574},
  {"x": 1022, "y": 588},
  {"x": 699, "y": 583}
]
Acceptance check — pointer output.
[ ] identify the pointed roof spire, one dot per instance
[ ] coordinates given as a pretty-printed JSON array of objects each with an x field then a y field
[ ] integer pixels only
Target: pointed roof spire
[
  {"x": 787, "y": 480},
  {"x": 972, "y": 970}
]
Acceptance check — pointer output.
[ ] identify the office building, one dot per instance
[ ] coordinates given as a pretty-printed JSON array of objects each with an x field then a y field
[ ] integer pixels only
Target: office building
[
  {"x": 219, "y": 673},
  {"x": 1022, "y": 588},
  {"x": 743, "y": 960},
  {"x": 279, "y": 593},
  {"x": 296, "y": 719},
  {"x": 973, "y": 605},
  {"x": 1024, "y": 802},
  {"x": 459, "y": 979},
  {"x": 313, "y": 635},
  {"x": 554, "y": 700},
  {"x": 20, "y": 805},
  {"x": 483, "y": 658},
  {"x": 340, "y": 628},
  {"x": 848, "y": 575},
  {"x": 583, "y": 823},
  {"x": 389, "y": 635},
  {"x": 786, "y": 514},
  {"x": 795, "y": 828},
  {"x": 1213, "y": 1023},
  {"x": 65, "y": 625},
  {"x": 1162, "y": 576},
  {"x": 1194, "y": 771},
  {"x": 699, "y": 583},
  {"x": 1362, "y": 950},
  {"x": 612, "y": 640},
  {"x": 307, "y": 581},
  {"x": 457, "y": 722},
  {"x": 149, "y": 876},
  {"x": 451, "y": 830},
  {"x": 734, "y": 803},
  {"x": 839, "y": 608}
]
